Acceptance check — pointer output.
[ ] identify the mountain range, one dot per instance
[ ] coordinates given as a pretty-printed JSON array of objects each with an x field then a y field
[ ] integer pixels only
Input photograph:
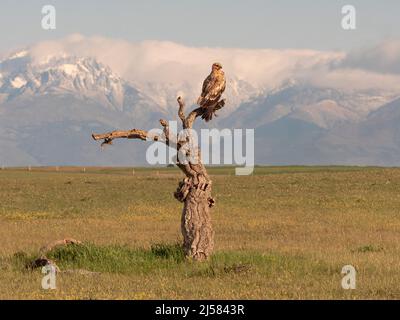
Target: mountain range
[{"x": 49, "y": 110}]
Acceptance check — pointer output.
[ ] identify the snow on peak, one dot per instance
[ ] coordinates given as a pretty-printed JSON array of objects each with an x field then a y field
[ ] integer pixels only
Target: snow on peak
[
  {"x": 79, "y": 76},
  {"x": 69, "y": 69},
  {"x": 288, "y": 83},
  {"x": 18, "y": 82}
]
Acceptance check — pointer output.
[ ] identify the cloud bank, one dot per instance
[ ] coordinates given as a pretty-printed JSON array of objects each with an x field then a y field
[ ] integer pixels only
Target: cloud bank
[
  {"x": 150, "y": 63},
  {"x": 382, "y": 58}
]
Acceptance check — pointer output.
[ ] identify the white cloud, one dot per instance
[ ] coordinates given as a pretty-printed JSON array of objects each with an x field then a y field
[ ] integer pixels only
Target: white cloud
[
  {"x": 172, "y": 62},
  {"x": 156, "y": 64},
  {"x": 382, "y": 58}
]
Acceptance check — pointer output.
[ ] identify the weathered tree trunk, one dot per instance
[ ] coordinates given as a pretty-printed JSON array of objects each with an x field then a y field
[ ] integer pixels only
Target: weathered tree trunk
[
  {"x": 196, "y": 227},
  {"x": 197, "y": 231},
  {"x": 194, "y": 190}
]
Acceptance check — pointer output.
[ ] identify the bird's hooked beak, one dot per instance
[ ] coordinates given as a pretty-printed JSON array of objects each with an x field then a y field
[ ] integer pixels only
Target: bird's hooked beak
[{"x": 216, "y": 66}]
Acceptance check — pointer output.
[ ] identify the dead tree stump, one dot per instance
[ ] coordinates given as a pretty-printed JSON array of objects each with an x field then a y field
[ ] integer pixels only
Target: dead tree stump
[
  {"x": 194, "y": 191},
  {"x": 197, "y": 231}
]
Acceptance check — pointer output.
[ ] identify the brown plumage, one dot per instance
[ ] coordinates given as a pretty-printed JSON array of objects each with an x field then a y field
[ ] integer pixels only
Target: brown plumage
[{"x": 213, "y": 87}]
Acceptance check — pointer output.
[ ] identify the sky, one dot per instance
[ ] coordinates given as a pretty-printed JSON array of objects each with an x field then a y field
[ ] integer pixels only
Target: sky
[{"x": 306, "y": 24}]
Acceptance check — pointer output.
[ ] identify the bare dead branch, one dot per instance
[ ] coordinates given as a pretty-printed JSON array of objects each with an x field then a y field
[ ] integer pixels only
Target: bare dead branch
[
  {"x": 43, "y": 260},
  {"x": 58, "y": 243},
  {"x": 168, "y": 138},
  {"x": 181, "y": 110},
  {"x": 129, "y": 134}
]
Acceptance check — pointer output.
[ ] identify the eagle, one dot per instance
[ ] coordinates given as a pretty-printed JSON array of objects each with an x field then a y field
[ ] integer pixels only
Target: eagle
[{"x": 213, "y": 87}]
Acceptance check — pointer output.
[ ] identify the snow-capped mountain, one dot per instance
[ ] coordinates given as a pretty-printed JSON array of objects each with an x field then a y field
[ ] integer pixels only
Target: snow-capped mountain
[
  {"x": 84, "y": 78},
  {"x": 50, "y": 107},
  {"x": 164, "y": 94},
  {"x": 324, "y": 107}
]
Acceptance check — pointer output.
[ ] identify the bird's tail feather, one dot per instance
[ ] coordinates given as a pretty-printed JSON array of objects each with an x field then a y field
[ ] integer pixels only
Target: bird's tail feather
[{"x": 207, "y": 115}]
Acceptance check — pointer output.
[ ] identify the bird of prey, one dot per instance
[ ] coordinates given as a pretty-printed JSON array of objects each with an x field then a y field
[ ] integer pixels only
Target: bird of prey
[{"x": 213, "y": 87}]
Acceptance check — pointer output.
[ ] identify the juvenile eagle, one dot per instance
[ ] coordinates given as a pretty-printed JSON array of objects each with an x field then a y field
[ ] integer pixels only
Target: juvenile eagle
[{"x": 213, "y": 87}]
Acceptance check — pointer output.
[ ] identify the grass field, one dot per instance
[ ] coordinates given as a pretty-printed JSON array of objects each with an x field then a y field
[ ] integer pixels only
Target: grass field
[{"x": 282, "y": 233}]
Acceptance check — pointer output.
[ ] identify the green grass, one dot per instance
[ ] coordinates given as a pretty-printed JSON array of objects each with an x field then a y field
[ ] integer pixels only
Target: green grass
[
  {"x": 118, "y": 259},
  {"x": 127, "y": 260},
  {"x": 165, "y": 259}
]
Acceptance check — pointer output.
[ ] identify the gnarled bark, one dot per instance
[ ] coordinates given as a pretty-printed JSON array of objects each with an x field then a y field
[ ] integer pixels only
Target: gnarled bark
[
  {"x": 196, "y": 227},
  {"x": 194, "y": 190}
]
